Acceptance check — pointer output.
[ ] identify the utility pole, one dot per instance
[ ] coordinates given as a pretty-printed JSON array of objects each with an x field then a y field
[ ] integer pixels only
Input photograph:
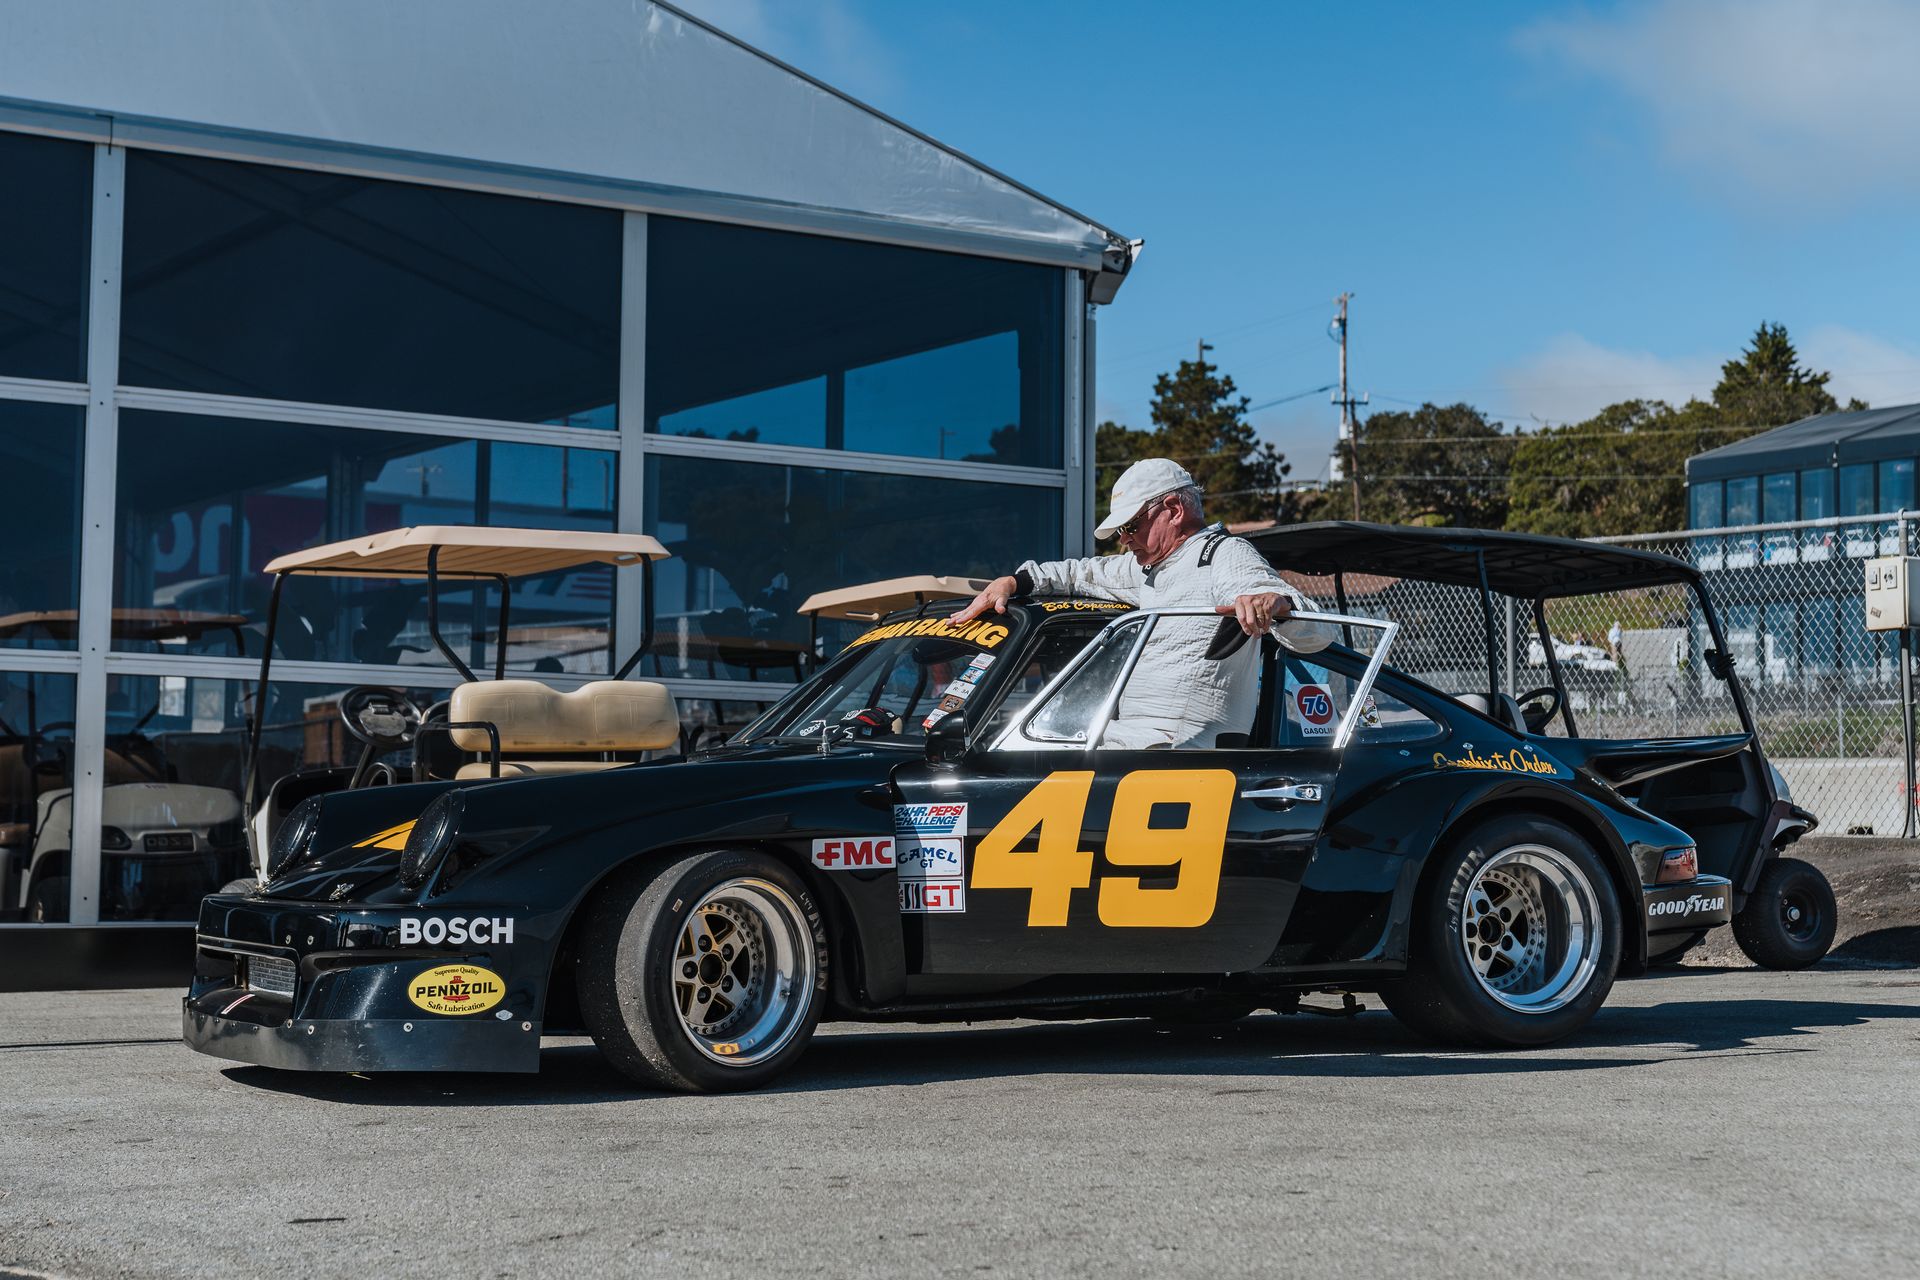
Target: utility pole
[
  {"x": 1348, "y": 441},
  {"x": 1200, "y": 354}
]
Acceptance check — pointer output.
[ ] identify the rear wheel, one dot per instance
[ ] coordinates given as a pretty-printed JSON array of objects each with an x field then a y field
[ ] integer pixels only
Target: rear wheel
[
  {"x": 1790, "y": 917},
  {"x": 706, "y": 975},
  {"x": 1516, "y": 940}
]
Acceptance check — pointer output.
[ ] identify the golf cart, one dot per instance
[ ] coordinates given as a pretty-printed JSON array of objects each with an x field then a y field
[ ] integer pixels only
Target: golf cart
[
  {"x": 163, "y": 842},
  {"x": 484, "y": 721},
  {"x": 1719, "y": 788}
]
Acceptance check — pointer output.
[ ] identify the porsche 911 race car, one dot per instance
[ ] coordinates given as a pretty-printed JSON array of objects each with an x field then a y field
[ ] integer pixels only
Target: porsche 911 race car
[{"x": 929, "y": 828}]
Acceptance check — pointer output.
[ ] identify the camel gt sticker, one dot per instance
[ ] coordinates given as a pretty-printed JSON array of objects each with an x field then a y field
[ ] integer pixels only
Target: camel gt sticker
[
  {"x": 1315, "y": 705},
  {"x": 930, "y": 850},
  {"x": 457, "y": 989}
]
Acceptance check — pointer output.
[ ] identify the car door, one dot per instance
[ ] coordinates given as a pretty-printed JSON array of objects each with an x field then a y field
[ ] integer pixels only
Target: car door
[{"x": 1024, "y": 858}]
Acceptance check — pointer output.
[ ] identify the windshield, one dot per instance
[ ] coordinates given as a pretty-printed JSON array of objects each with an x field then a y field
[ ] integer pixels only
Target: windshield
[{"x": 890, "y": 685}]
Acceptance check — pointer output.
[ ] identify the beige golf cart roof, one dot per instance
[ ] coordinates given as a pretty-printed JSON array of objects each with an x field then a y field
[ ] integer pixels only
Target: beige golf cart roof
[
  {"x": 877, "y": 599},
  {"x": 469, "y": 551}
]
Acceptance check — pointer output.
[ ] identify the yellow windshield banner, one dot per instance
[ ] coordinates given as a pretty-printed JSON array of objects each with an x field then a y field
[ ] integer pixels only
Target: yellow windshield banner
[{"x": 979, "y": 632}]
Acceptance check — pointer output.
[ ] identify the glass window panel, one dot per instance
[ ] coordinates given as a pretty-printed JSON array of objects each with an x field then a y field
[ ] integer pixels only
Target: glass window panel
[
  {"x": 1816, "y": 493},
  {"x": 1743, "y": 500},
  {"x": 183, "y": 478},
  {"x": 45, "y": 221},
  {"x": 36, "y": 794},
  {"x": 40, "y": 446},
  {"x": 1777, "y": 498},
  {"x": 751, "y": 541},
  {"x": 1896, "y": 485},
  {"x": 796, "y": 339},
  {"x": 290, "y": 284},
  {"x": 1704, "y": 506},
  {"x": 1856, "y": 490},
  {"x": 176, "y": 761}
]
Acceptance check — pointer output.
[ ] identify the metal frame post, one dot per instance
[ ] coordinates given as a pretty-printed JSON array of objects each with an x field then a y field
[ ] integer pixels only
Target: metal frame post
[
  {"x": 1906, "y": 707},
  {"x": 97, "y": 553},
  {"x": 632, "y": 610}
]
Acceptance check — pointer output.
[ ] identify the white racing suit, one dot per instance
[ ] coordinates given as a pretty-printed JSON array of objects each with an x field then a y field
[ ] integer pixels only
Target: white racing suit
[{"x": 1177, "y": 696}]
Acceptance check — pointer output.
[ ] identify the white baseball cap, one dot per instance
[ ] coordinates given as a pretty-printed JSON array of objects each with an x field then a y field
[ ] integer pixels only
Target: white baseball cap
[{"x": 1138, "y": 485}]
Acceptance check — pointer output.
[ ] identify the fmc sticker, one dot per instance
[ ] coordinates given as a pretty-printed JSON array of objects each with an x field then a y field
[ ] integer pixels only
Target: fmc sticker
[
  {"x": 1316, "y": 710},
  {"x": 457, "y": 988},
  {"x": 847, "y": 853}
]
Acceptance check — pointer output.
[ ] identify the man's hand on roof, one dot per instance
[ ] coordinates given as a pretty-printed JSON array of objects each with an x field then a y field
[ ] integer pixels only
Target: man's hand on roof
[
  {"x": 994, "y": 597},
  {"x": 1258, "y": 613}
]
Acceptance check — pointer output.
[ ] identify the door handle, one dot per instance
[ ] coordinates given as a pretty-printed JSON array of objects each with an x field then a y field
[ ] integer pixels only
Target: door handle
[{"x": 1287, "y": 792}]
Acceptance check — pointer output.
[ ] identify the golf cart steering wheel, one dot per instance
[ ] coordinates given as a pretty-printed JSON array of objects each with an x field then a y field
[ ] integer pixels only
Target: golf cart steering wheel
[
  {"x": 43, "y": 747},
  {"x": 1539, "y": 707},
  {"x": 381, "y": 718}
]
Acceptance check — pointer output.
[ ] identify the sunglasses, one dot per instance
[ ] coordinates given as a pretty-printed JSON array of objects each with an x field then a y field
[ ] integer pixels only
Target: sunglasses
[{"x": 1132, "y": 526}]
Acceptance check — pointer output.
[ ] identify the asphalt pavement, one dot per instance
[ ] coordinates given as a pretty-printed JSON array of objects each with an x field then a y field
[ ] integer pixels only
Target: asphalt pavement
[{"x": 1708, "y": 1123}]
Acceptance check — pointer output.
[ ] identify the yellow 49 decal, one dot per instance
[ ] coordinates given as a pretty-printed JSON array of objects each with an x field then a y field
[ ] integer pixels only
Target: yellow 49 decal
[{"x": 1057, "y": 810}]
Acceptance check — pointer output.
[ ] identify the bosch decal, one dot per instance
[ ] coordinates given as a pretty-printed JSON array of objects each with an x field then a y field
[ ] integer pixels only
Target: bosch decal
[
  {"x": 456, "y": 931},
  {"x": 851, "y": 853}
]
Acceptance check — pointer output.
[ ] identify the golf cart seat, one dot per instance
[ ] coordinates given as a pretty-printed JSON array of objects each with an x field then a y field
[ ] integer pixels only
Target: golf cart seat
[
  {"x": 1500, "y": 706},
  {"x": 540, "y": 728}
]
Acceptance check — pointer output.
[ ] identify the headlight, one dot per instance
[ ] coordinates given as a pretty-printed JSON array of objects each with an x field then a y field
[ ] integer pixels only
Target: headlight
[
  {"x": 428, "y": 842},
  {"x": 294, "y": 840},
  {"x": 114, "y": 839}
]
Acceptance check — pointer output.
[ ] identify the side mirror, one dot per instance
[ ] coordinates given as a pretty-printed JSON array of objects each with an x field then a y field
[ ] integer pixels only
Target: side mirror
[
  {"x": 947, "y": 739},
  {"x": 1718, "y": 663}
]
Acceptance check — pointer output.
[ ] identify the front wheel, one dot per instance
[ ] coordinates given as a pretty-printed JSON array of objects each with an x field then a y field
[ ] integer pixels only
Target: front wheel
[
  {"x": 1516, "y": 939},
  {"x": 706, "y": 975},
  {"x": 1790, "y": 917},
  {"x": 47, "y": 900}
]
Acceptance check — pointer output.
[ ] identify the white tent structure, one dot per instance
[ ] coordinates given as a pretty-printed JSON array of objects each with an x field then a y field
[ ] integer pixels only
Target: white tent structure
[{"x": 632, "y": 103}]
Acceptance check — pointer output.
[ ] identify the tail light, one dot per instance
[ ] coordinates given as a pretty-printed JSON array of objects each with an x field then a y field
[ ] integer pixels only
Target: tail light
[{"x": 1679, "y": 865}]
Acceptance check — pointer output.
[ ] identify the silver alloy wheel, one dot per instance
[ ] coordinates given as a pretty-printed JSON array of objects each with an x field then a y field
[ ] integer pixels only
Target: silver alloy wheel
[
  {"x": 743, "y": 971},
  {"x": 1531, "y": 927}
]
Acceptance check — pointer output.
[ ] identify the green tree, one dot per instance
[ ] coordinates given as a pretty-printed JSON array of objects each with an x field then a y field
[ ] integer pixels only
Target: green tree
[
  {"x": 1620, "y": 471},
  {"x": 1200, "y": 421},
  {"x": 1767, "y": 387},
  {"x": 1444, "y": 465}
]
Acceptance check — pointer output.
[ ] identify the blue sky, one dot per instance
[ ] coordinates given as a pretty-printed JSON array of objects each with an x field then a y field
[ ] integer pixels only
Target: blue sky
[{"x": 1540, "y": 209}]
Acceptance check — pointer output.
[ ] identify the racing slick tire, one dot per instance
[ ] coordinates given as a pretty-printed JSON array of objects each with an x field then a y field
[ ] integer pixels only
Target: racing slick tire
[
  {"x": 1790, "y": 917},
  {"x": 706, "y": 975},
  {"x": 1516, "y": 939}
]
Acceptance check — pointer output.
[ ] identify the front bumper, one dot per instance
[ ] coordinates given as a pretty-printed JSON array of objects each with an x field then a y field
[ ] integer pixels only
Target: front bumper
[
  {"x": 1699, "y": 903},
  {"x": 298, "y": 1044}
]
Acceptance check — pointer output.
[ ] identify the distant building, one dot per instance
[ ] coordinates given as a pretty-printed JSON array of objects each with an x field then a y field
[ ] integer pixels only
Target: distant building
[{"x": 1834, "y": 464}]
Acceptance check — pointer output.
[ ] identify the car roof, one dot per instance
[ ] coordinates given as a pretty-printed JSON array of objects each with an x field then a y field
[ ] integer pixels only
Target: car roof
[
  {"x": 1527, "y": 565},
  {"x": 870, "y": 601},
  {"x": 468, "y": 551}
]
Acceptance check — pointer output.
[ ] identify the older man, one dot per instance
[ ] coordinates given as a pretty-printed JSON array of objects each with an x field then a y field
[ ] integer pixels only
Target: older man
[{"x": 1178, "y": 697}]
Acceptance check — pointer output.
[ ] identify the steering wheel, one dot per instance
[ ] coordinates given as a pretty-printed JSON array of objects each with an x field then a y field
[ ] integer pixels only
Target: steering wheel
[
  {"x": 56, "y": 749},
  {"x": 870, "y": 722},
  {"x": 1539, "y": 716},
  {"x": 382, "y": 718}
]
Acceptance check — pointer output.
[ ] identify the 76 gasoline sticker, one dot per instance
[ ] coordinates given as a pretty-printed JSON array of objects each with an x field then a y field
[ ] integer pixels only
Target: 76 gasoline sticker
[
  {"x": 457, "y": 988},
  {"x": 1315, "y": 705}
]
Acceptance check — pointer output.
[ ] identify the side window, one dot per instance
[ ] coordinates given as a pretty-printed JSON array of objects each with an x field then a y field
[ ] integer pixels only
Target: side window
[
  {"x": 1059, "y": 643},
  {"x": 1315, "y": 694}
]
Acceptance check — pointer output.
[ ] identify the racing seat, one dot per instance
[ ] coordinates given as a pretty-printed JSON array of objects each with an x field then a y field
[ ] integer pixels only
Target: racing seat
[
  {"x": 543, "y": 730},
  {"x": 1500, "y": 706}
]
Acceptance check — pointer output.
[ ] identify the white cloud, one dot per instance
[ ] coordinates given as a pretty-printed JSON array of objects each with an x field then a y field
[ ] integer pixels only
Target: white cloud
[
  {"x": 1880, "y": 372},
  {"x": 1812, "y": 102},
  {"x": 1571, "y": 379},
  {"x": 823, "y": 38}
]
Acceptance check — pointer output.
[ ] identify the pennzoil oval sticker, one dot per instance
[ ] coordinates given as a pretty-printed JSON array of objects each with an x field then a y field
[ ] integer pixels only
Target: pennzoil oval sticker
[{"x": 457, "y": 988}]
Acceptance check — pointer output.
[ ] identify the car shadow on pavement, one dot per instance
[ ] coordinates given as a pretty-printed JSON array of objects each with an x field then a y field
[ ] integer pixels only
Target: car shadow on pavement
[{"x": 1272, "y": 1047}]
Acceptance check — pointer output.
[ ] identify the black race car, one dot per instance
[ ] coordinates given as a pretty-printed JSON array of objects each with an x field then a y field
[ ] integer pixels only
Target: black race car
[{"x": 928, "y": 828}]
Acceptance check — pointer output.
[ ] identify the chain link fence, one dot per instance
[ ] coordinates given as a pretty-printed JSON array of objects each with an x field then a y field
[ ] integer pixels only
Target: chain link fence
[{"x": 1825, "y": 693}]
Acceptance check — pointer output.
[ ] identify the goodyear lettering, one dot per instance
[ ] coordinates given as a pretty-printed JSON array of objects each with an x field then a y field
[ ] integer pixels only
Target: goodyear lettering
[
  {"x": 847, "y": 853},
  {"x": 456, "y": 930},
  {"x": 1518, "y": 760},
  {"x": 457, "y": 989},
  {"x": 1687, "y": 906},
  {"x": 979, "y": 632}
]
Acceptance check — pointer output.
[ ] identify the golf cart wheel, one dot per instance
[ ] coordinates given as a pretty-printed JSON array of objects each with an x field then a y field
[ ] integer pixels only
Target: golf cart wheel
[
  {"x": 704, "y": 976},
  {"x": 47, "y": 900},
  {"x": 1789, "y": 918},
  {"x": 1516, "y": 938}
]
